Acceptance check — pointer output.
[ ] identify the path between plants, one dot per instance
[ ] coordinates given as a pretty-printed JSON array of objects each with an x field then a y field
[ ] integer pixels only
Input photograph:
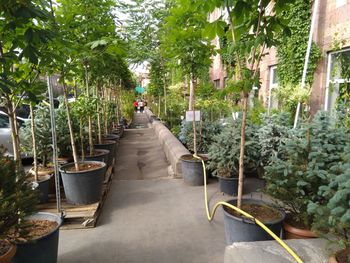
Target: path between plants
[{"x": 148, "y": 217}]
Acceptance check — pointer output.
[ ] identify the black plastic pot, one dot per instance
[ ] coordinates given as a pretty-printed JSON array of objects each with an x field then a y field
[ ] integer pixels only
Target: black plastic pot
[
  {"x": 112, "y": 137},
  {"x": 83, "y": 187},
  {"x": 192, "y": 170},
  {"x": 101, "y": 155},
  {"x": 43, "y": 249},
  {"x": 110, "y": 146},
  {"x": 44, "y": 188},
  {"x": 228, "y": 185},
  {"x": 238, "y": 229}
]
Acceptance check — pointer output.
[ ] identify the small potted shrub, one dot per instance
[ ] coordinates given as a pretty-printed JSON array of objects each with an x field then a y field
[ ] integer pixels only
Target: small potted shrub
[
  {"x": 224, "y": 156},
  {"x": 35, "y": 235},
  {"x": 300, "y": 169},
  {"x": 36, "y": 138},
  {"x": 331, "y": 216}
]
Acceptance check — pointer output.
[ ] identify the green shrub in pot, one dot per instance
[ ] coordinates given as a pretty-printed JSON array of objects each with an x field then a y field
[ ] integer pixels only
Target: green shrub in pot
[
  {"x": 332, "y": 214},
  {"x": 206, "y": 130},
  {"x": 225, "y": 148},
  {"x": 301, "y": 165},
  {"x": 271, "y": 133},
  {"x": 17, "y": 199}
]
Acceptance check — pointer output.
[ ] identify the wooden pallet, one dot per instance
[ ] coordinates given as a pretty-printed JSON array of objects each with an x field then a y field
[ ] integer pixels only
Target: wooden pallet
[{"x": 80, "y": 216}]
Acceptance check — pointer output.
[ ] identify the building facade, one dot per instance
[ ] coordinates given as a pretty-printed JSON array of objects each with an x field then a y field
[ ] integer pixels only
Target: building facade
[{"x": 332, "y": 35}]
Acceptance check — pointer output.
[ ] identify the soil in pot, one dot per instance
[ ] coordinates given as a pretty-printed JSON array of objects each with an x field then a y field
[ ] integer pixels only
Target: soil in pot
[
  {"x": 84, "y": 167},
  {"x": 100, "y": 155},
  {"x": 83, "y": 187},
  {"x": 296, "y": 230},
  {"x": 41, "y": 243},
  {"x": 340, "y": 257},
  {"x": 39, "y": 228},
  {"x": 241, "y": 229},
  {"x": 7, "y": 251}
]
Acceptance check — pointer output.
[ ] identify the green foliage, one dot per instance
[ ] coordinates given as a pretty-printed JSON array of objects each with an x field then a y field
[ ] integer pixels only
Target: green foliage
[
  {"x": 205, "y": 132},
  {"x": 290, "y": 95},
  {"x": 271, "y": 134},
  {"x": 17, "y": 199},
  {"x": 256, "y": 111},
  {"x": 332, "y": 214},
  {"x": 292, "y": 49},
  {"x": 225, "y": 150},
  {"x": 183, "y": 40},
  {"x": 127, "y": 107},
  {"x": 301, "y": 166},
  {"x": 43, "y": 134}
]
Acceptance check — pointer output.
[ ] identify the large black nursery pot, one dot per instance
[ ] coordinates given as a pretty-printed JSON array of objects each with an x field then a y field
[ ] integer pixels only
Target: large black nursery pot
[
  {"x": 100, "y": 155},
  {"x": 241, "y": 229},
  {"x": 43, "y": 249},
  {"x": 111, "y": 137},
  {"x": 228, "y": 185},
  {"x": 110, "y": 146},
  {"x": 192, "y": 170},
  {"x": 83, "y": 187},
  {"x": 44, "y": 188}
]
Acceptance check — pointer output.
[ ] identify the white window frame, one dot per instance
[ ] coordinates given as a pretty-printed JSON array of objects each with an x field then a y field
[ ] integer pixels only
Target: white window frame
[
  {"x": 272, "y": 85},
  {"x": 328, "y": 78}
]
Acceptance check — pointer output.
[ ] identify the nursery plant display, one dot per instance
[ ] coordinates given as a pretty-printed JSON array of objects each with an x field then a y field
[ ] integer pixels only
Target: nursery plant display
[
  {"x": 224, "y": 157},
  {"x": 300, "y": 168}
]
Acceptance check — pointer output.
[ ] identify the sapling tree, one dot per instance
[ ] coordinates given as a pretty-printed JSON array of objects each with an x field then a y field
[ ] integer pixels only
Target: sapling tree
[
  {"x": 24, "y": 34},
  {"x": 183, "y": 40},
  {"x": 251, "y": 27}
]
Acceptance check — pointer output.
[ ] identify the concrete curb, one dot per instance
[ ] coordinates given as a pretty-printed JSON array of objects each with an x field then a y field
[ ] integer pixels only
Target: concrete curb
[
  {"x": 172, "y": 147},
  {"x": 309, "y": 250}
]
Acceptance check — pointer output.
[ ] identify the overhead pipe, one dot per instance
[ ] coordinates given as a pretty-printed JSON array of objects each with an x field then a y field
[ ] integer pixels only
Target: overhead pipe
[{"x": 307, "y": 57}]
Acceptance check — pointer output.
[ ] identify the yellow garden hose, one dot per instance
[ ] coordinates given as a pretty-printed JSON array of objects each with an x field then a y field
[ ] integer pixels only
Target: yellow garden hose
[{"x": 211, "y": 215}]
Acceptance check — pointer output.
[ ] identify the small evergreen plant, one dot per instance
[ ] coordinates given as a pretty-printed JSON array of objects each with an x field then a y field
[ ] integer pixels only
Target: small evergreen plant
[{"x": 17, "y": 199}]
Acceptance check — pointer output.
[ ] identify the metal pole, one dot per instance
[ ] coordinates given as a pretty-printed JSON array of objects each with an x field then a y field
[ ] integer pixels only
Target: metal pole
[
  {"x": 54, "y": 144},
  {"x": 307, "y": 57}
]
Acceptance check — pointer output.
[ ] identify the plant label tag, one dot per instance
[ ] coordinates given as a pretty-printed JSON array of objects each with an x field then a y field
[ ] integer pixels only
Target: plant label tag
[{"x": 189, "y": 115}]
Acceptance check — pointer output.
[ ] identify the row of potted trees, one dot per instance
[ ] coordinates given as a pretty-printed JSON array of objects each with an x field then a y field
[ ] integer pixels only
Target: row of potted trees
[{"x": 305, "y": 170}]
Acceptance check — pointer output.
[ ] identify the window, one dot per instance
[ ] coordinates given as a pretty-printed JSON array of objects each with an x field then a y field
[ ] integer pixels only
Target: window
[
  {"x": 340, "y": 3},
  {"x": 217, "y": 83},
  {"x": 338, "y": 78},
  {"x": 272, "y": 103}
]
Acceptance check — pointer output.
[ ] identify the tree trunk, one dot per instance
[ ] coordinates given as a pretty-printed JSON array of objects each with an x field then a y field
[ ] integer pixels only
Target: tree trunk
[
  {"x": 71, "y": 134},
  {"x": 91, "y": 140},
  {"x": 81, "y": 134},
  {"x": 99, "y": 127},
  {"x": 165, "y": 96},
  {"x": 14, "y": 134},
  {"x": 241, "y": 155},
  {"x": 191, "y": 103},
  {"x": 35, "y": 157}
]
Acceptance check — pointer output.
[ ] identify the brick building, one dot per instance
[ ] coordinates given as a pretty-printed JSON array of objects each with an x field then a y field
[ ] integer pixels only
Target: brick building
[{"x": 332, "y": 26}]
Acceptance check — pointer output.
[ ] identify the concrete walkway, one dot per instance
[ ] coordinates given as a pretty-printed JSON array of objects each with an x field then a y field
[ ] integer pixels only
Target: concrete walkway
[{"x": 148, "y": 217}]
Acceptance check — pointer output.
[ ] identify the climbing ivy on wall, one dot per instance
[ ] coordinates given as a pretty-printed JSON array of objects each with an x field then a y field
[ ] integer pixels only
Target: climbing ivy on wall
[{"x": 292, "y": 49}]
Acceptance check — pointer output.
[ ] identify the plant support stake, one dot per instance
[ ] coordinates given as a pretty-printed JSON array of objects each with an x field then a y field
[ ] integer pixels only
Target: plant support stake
[
  {"x": 307, "y": 57},
  {"x": 54, "y": 144}
]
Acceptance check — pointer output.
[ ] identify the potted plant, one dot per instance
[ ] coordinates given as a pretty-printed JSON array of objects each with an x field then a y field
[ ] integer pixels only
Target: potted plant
[
  {"x": 331, "y": 217},
  {"x": 34, "y": 235},
  {"x": 249, "y": 29},
  {"x": 36, "y": 137},
  {"x": 224, "y": 156},
  {"x": 300, "y": 168}
]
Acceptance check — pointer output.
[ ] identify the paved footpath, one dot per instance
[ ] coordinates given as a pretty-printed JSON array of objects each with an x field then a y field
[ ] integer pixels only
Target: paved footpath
[{"x": 148, "y": 217}]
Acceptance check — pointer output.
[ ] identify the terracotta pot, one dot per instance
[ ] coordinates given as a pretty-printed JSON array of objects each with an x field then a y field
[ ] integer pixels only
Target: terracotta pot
[
  {"x": 332, "y": 259},
  {"x": 7, "y": 257},
  {"x": 291, "y": 232}
]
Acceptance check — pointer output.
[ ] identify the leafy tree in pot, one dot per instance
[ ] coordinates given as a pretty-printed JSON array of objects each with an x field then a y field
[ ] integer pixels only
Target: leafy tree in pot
[
  {"x": 301, "y": 166},
  {"x": 225, "y": 149}
]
